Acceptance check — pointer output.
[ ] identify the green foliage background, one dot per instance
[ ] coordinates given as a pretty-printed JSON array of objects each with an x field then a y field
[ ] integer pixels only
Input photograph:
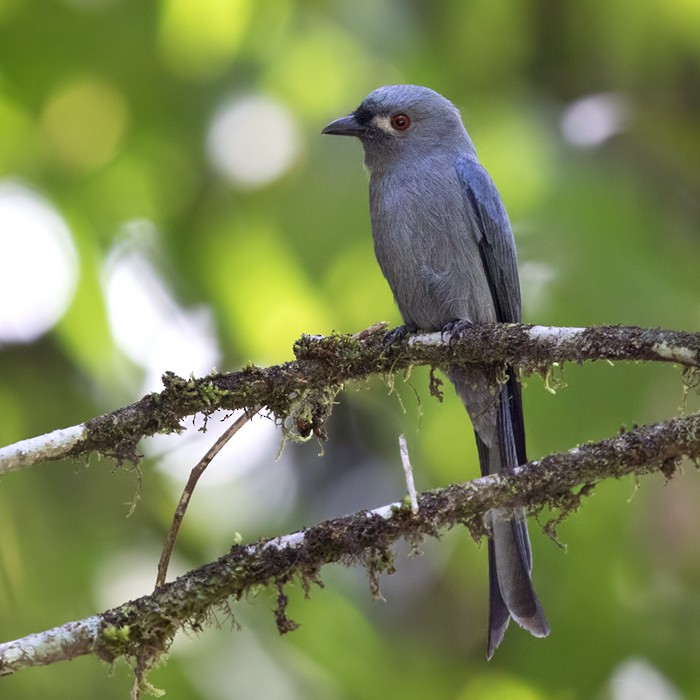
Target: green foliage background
[{"x": 105, "y": 107}]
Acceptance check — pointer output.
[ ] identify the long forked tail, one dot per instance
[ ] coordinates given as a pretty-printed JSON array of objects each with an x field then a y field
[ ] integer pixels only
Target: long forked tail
[{"x": 500, "y": 438}]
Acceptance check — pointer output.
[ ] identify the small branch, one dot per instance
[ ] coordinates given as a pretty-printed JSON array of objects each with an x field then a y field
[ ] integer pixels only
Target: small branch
[
  {"x": 301, "y": 393},
  {"x": 142, "y": 629},
  {"x": 44, "y": 448},
  {"x": 187, "y": 492},
  {"x": 408, "y": 472},
  {"x": 58, "y": 644}
]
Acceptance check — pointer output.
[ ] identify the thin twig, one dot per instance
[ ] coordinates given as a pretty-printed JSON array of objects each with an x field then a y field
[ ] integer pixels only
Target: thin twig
[
  {"x": 187, "y": 492},
  {"x": 408, "y": 471}
]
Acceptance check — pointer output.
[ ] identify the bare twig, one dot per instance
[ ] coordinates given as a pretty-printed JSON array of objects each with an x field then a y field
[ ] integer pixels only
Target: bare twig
[
  {"x": 408, "y": 472},
  {"x": 187, "y": 492}
]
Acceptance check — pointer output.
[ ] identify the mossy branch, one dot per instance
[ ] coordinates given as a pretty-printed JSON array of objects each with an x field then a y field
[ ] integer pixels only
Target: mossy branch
[
  {"x": 141, "y": 630},
  {"x": 300, "y": 393}
]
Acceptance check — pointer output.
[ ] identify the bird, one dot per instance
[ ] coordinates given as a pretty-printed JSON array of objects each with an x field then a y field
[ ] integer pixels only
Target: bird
[{"x": 445, "y": 245}]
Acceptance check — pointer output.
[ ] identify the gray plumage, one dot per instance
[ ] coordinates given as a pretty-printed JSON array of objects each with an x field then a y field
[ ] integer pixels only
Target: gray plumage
[{"x": 444, "y": 243}]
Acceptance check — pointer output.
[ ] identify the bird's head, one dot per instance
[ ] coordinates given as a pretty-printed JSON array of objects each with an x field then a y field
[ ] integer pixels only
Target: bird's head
[{"x": 404, "y": 121}]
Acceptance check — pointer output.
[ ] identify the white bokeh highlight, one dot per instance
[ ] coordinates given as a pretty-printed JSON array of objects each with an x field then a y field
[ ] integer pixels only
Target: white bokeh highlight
[
  {"x": 39, "y": 264},
  {"x": 252, "y": 141},
  {"x": 536, "y": 279},
  {"x": 145, "y": 319},
  {"x": 637, "y": 679},
  {"x": 592, "y": 120}
]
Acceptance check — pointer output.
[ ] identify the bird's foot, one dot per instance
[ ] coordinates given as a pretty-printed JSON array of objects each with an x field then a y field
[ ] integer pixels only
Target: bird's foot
[
  {"x": 454, "y": 330},
  {"x": 396, "y": 335}
]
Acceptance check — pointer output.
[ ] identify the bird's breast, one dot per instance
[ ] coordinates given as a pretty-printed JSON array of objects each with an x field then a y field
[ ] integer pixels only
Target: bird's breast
[{"x": 427, "y": 247}]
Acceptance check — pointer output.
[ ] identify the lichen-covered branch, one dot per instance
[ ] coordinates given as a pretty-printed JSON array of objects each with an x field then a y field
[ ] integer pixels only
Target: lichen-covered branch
[
  {"x": 301, "y": 392},
  {"x": 142, "y": 629}
]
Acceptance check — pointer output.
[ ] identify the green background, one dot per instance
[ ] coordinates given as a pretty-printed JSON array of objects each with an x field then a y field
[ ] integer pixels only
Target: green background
[{"x": 105, "y": 108}]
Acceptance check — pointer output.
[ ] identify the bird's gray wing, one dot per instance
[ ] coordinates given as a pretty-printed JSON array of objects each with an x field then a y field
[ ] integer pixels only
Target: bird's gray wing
[
  {"x": 497, "y": 248},
  {"x": 496, "y": 242}
]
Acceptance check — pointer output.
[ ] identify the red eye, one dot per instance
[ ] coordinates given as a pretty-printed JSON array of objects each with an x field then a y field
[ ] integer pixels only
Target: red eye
[{"x": 400, "y": 122}]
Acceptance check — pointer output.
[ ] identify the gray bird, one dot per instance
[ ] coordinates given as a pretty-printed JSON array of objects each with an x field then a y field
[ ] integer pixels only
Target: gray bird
[{"x": 444, "y": 243}]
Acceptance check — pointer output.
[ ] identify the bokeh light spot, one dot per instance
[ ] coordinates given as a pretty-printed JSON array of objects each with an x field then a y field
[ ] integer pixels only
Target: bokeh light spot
[
  {"x": 637, "y": 679},
  {"x": 39, "y": 264},
  {"x": 324, "y": 71},
  {"x": 146, "y": 321},
  {"x": 536, "y": 278},
  {"x": 253, "y": 141},
  {"x": 84, "y": 124},
  {"x": 200, "y": 38},
  {"x": 592, "y": 120}
]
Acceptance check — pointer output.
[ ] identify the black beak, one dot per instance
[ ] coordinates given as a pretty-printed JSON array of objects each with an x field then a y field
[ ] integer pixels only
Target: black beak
[{"x": 345, "y": 126}]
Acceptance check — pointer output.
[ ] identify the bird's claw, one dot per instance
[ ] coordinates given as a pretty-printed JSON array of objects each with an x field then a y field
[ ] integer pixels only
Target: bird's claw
[
  {"x": 395, "y": 336},
  {"x": 455, "y": 330}
]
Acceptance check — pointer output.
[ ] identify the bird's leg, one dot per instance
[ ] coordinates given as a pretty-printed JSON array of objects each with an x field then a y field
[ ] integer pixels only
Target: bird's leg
[
  {"x": 396, "y": 335},
  {"x": 454, "y": 330}
]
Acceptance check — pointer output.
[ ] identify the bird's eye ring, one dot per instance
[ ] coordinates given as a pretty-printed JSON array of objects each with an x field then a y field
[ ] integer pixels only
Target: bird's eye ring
[{"x": 400, "y": 122}]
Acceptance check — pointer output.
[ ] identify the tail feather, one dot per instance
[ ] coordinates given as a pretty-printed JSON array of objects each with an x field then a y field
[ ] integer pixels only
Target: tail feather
[
  {"x": 499, "y": 616},
  {"x": 511, "y": 593},
  {"x": 500, "y": 438},
  {"x": 511, "y": 547}
]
